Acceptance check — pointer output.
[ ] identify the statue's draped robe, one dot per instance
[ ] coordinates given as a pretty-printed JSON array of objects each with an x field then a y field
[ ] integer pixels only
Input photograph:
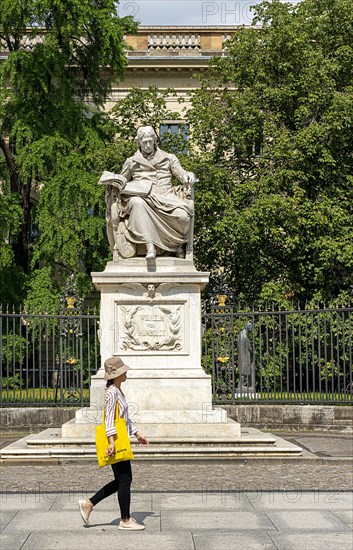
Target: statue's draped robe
[{"x": 161, "y": 217}]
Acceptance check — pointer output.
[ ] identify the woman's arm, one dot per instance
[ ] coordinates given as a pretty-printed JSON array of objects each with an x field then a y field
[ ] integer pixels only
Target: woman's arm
[
  {"x": 141, "y": 439},
  {"x": 109, "y": 417},
  {"x": 111, "y": 448},
  {"x": 132, "y": 430}
]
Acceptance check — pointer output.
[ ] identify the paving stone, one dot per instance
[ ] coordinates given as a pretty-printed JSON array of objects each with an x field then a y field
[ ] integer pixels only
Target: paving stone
[
  {"x": 12, "y": 541},
  {"x": 244, "y": 521},
  {"x": 102, "y": 520},
  {"x": 24, "y": 501},
  {"x": 199, "y": 501},
  {"x": 36, "y": 521},
  {"x": 117, "y": 539},
  {"x": 257, "y": 540},
  {"x": 287, "y": 500},
  {"x": 346, "y": 516},
  {"x": 6, "y": 517},
  {"x": 311, "y": 520},
  {"x": 68, "y": 501},
  {"x": 66, "y": 520},
  {"x": 324, "y": 445},
  {"x": 191, "y": 520},
  {"x": 313, "y": 541}
]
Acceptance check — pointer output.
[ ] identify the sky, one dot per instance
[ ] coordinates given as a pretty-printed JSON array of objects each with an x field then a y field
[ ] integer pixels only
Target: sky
[{"x": 189, "y": 12}]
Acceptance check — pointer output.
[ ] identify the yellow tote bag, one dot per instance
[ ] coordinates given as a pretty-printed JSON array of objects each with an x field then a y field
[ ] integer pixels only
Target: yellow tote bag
[{"x": 121, "y": 442}]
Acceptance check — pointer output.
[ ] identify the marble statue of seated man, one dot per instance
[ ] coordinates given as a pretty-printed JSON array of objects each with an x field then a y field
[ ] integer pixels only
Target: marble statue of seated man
[{"x": 143, "y": 207}]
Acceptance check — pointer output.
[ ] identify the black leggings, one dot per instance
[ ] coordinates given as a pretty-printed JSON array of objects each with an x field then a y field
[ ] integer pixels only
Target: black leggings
[{"x": 121, "y": 484}]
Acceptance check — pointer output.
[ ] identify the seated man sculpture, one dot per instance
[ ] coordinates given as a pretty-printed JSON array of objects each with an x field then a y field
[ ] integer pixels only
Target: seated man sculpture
[{"x": 143, "y": 207}]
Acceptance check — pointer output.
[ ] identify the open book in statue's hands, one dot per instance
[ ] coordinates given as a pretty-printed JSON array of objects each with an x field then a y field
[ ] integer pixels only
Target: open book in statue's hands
[
  {"x": 130, "y": 188},
  {"x": 116, "y": 180}
]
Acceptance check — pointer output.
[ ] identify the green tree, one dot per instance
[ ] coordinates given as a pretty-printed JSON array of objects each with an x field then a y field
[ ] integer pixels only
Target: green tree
[
  {"x": 273, "y": 120},
  {"x": 63, "y": 58}
]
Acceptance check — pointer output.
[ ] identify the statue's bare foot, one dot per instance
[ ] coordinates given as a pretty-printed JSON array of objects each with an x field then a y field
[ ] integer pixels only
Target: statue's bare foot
[{"x": 151, "y": 251}]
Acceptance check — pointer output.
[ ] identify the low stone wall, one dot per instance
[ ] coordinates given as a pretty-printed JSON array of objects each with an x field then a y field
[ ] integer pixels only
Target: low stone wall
[
  {"x": 34, "y": 419},
  {"x": 293, "y": 417},
  {"x": 265, "y": 417}
]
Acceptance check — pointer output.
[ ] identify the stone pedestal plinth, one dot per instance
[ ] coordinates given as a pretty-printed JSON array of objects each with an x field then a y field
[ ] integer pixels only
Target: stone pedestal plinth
[{"x": 151, "y": 317}]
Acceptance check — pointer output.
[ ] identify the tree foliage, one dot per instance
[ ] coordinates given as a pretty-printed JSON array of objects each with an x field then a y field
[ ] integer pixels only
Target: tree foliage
[
  {"x": 63, "y": 58},
  {"x": 272, "y": 146},
  {"x": 275, "y": 117}
]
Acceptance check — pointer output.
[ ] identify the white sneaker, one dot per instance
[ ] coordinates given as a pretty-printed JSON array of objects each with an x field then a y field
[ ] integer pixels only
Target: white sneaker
[
  {"x": 131, "y": 525},
  {"x": 85, "y": 510}
]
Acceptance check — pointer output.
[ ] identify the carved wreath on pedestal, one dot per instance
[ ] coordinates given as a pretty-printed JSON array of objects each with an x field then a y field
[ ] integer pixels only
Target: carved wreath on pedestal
[{"x": 138, "y": 338}]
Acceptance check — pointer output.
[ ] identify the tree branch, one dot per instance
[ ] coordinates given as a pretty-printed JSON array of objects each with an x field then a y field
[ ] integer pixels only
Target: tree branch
[{"x": 10, "y": 161}]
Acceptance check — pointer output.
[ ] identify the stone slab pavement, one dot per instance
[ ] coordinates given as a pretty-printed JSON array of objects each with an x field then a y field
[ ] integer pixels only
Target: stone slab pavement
[
  {"x": 224, "y": 520},
  {"x": 256, "y": 504},
  {"x": 323, "y": 444}
]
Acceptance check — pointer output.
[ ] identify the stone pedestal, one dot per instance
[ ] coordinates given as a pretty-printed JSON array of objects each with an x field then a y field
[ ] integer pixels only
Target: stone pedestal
[{"x": 151, "y": 317}]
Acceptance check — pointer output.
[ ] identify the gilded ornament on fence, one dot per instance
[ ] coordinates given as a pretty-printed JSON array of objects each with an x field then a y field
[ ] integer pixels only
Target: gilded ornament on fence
[
  {"x": 223, "y": 359},
  {"x": 221, "y": 299}
]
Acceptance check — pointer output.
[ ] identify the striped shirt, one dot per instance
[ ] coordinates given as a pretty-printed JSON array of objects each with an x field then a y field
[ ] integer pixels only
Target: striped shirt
[{"x": 114, "y": 396}]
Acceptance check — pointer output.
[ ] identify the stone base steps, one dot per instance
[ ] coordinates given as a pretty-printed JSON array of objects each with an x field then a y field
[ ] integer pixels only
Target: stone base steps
[{"x": 50, "y": 445}]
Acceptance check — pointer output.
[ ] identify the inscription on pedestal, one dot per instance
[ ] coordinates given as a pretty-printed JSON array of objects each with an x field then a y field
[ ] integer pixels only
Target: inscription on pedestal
[{"x": 156, "y": 327}]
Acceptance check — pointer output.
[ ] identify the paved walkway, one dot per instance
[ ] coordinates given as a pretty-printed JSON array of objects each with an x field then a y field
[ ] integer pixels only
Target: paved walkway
[
  {"x": 328, "y": 467},
  {"x": 183, "y": 521},
  {"x": 240, "y": 475},
  {"x": 267, "y": 504}
]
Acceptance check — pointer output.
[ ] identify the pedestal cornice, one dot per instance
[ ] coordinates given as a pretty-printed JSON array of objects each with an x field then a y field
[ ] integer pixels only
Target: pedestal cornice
[{"x": 142, "y": 271}]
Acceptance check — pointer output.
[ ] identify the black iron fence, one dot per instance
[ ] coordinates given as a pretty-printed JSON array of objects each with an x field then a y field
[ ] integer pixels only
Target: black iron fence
[
  {"x": 48, "y": 359},
  {"x": 298, "y": 356},
  {"x": 301, "y": 356}
]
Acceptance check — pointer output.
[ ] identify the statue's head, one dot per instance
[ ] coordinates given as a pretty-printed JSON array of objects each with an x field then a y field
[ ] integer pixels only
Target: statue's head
[
  {"x": 146, "y": 139},
  {"x": 249, "y": 327}
]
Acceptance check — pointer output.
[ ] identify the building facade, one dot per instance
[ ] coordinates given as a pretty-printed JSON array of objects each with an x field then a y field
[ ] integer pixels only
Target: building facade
[
  {"x": 165, "y": 57},
  {"x": 170, "y": 57}
]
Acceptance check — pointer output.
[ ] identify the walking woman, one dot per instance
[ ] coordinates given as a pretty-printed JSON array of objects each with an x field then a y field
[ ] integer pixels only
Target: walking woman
[{"x": 115, "y": 374}]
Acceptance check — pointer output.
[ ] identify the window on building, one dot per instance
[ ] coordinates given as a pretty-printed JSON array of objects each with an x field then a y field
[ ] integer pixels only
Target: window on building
[
  {"x": 174, "y": 137},
  {"x": 175, "y": 128}
]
